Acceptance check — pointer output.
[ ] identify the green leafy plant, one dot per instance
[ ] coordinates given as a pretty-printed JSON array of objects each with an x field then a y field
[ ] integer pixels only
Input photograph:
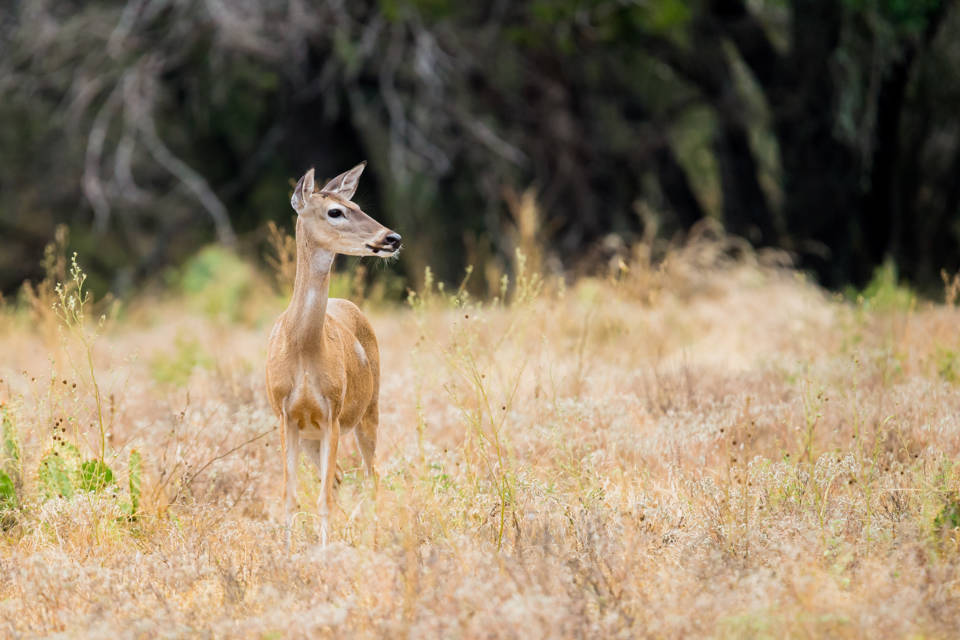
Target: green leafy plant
[
  {"x": 8, "y": 493},
  {"x": 176, "y": 368},
  {"x": 10, "y": 467},
  {"x": 949, "y": 515},
  {"x": 948, "y": 364},
  {"x": 885, "y": 292},
  {"x": 219, "y": 284},
  {"x": 62, "y": 473},
  {"x": 57, "y": 469},
  {"x": 94, "y": 475}
]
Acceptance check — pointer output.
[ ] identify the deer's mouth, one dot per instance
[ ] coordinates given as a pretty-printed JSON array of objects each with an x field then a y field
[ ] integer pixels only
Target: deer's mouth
[{"x": 386, "y": 250}]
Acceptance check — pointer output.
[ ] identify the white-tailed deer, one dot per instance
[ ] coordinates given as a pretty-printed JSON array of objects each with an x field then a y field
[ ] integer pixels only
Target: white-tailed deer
[{"x": 323, "y": 364}]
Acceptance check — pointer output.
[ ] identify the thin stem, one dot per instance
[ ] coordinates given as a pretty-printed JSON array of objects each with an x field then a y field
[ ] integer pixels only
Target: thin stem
[{"x": 96, "y": 392}]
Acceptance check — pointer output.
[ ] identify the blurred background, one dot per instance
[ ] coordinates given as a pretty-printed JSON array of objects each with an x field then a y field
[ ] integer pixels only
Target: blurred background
[{"x": 576, "y": 128}]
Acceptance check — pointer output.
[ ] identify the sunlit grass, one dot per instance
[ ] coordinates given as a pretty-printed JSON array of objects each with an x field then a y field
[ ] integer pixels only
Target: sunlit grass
[{"x": 699, "y": 445}]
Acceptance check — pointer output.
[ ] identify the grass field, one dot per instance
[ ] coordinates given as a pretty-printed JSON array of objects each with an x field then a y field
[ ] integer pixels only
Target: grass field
[{"x": 711, "y": 447}]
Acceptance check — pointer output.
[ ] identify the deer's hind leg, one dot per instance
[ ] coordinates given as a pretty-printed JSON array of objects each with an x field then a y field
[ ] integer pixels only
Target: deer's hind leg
[
  {"x": 366, "y": 434},
  {"x": 313, "y": 449}
]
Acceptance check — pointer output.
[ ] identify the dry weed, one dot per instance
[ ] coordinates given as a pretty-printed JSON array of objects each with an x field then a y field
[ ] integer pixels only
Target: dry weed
[{"x": 701, "y": 446}]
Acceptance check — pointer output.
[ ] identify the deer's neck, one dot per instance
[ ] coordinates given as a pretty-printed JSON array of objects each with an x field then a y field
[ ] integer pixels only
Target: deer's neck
[{"x": 311, "y": 288}]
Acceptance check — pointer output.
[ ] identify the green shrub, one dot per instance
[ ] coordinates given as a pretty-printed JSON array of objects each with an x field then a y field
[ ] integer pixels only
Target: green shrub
[
  {"x": 884, "y": 292},
  {"x": 9, "y": 464},
  {"x": 57, "y": 469},
  {"x": 8, "y": 493},
  {"x": 949, "y": 515},
  {"x": 62, "y": 473},
  {"x": 94, "y": 475},
  {"x": 948, "y": 364},
  {"x": 218, "y": 283},
  {"x": 176, "y": 368}
]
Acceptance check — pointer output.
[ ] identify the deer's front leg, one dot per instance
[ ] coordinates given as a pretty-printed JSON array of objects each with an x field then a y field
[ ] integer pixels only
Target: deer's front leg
[
  {"x": 291, "y": 451},
  {"x": 328, "y": 473}
]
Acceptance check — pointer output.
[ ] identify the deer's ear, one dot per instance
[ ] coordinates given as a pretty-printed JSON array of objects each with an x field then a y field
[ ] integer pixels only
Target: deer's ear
[
  {"x": 345, "y": 184},
  {"x": 302, "y": 191}
]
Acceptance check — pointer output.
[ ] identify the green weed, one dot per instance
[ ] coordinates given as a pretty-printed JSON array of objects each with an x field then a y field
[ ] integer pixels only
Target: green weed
[
  {"x": 219, "y": 284},
  {"x": 176, "y": 368},
  {"x": 885, "y": 292}
]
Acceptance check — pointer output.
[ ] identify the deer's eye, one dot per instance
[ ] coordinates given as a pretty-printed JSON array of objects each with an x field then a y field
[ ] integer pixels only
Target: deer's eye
[{"x": 335, "y": 213}]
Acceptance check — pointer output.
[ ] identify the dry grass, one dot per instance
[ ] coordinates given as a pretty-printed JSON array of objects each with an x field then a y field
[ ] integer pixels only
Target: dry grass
[{"x": 711, "y": 447}]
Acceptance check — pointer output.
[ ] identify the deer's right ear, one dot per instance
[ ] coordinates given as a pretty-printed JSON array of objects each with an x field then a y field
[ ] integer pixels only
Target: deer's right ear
[{"x": 302, "y": 191}]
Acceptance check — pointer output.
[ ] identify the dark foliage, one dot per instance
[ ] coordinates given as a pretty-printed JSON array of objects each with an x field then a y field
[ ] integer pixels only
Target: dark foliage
[{"x": 823, "y": 127}]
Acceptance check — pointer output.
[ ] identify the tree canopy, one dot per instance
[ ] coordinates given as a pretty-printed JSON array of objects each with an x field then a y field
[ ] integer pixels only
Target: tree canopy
[{"x": 826, "y": 128}]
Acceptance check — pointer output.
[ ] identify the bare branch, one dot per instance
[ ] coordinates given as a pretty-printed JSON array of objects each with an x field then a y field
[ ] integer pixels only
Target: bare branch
[
  {"x": 139, "y": 109},
  {"x": 92, "y": 184},
  {"x": 190, "y": 179},
  {"x": 492, "y": 141},
  {"x": 128, "y": 19},
  {"x": 750, "y": 38},
  {"x": 122, "y": 172}
]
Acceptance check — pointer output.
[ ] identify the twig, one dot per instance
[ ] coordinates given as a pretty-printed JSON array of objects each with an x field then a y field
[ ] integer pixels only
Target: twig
[
  {"x": 92, "y": 185},
  {"x": 227, "y": 453}
]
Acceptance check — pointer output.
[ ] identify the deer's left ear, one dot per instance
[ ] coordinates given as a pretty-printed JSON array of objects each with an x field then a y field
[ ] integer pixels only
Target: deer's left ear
[
  {"x": 345, "y": 184},
  {"x": 302, "y": 191}
]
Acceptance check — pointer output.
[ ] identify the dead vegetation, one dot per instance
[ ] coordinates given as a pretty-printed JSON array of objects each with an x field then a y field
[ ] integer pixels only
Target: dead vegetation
[{"x": 699, "y": 445}]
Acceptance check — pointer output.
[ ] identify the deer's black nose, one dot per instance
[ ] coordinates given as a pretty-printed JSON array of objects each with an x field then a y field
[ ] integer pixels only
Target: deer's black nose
[{"x": 393, "y": 239}]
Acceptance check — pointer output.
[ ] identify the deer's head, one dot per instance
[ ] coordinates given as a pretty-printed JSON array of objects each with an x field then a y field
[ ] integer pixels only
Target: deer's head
[{"x": 331, "y": 221}]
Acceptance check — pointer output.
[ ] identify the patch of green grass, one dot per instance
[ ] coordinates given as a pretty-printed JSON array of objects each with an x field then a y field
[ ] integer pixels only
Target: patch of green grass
[
  {"x": 9, "y": 462},
  {"x": 56, "y": 471},
  {"x": 8, "y": 493},
  {"x": 752, "y": 624},
  {"x": 218, "y": 283},
  {"x": 948, "y": 364},
  {"x": 885, "y": 292},
  {"x": 175, "y": 368},
  {"x": 949, "y": 515},
  {"x": 94, "y": 475}
]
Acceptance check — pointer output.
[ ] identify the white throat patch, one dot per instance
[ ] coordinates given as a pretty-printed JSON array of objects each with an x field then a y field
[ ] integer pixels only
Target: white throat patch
[{"x": 321, "y": 261}]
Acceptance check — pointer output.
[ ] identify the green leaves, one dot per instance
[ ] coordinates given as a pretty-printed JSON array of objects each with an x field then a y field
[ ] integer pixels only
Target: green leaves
[
  {"x": 9, "y": 467},
  {"x": 906, "y": 15},
  {"x": 56, "y": 472},
  {"x": 62, "y": 474},
  {"x": 949, "y": 516},
  {"x": 666, "y": 16},
  {"x": 8, "y": 492},
  {"x": 94, "y": 476}
]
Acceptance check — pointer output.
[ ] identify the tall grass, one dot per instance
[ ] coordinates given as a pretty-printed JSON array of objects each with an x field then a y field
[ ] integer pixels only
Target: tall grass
[{"x": 697, "y": 442}]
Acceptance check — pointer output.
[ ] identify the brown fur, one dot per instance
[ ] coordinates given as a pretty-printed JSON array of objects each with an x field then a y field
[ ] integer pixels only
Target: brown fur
[{"x": 323, "y": 362}]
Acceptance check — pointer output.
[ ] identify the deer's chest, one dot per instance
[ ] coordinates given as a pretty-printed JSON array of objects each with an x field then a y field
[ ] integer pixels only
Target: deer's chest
[
  {"x": 313, "y": 387},
  {"x": 314, "y": 397}
]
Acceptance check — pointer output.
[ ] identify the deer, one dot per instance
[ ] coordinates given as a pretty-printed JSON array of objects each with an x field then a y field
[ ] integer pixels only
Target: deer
[{"x": 323, "y": 362}]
